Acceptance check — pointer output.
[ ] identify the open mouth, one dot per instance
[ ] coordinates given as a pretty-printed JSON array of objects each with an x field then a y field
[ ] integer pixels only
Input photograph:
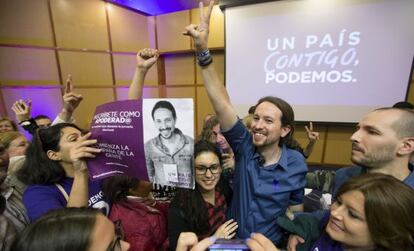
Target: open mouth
[{"x": 258, "y": 136}]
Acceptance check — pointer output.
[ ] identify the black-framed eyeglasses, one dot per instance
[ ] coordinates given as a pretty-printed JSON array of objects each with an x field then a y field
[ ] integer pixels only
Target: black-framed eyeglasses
[
  {"x": 119, "y": 233},
  {"x": 214, "y": 169}
]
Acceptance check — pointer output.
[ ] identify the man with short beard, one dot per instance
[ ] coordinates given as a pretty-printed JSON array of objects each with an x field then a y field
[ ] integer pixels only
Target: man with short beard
[
  {"x": 383, "y": 143},
  {"x": 269, "y": 173},
  {"x": 169, "y": 148}
]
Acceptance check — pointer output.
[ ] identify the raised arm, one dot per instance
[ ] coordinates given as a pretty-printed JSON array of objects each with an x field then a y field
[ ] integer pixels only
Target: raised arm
[
  {"x": 145, "y": 59},
  {"x": 82, "y": 150},
  {"x": 71, "y": 101},
  {"x": 215, "y": 89},
  {"x": 22, "y": 110},
  {"x": 312, "y": 137}
]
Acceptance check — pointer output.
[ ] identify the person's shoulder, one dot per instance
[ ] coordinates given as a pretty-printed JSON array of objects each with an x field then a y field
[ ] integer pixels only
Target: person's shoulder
[
  {"x": 343, "y": 174},
  {"x": 237, "y": 127},
  {"x": 34, "y": 190},
  {"x": 295, "y": 159},
  {"x": 150, "y": 143},
  {"x": 39, "y": 187},
  {"x": 410, "y": 179},
  {"x": 188, "y": 138},
  {"x": 294, "y": 154},
  {"x": 348, "y": 171},
  {"x": 151, "y": 140}
]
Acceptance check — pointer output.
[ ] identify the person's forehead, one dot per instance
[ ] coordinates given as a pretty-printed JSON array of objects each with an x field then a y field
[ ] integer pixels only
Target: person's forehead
[
  {"x": 383, "y": 119},
  {"x": 19, "y": 138},
  {"x": 162, "y": 111},
  {"x": 5, "y": 122},
  {"x": 216, "y": 128},
  {"x": 206, "y": 158},
  {"x": 355, "y": 199},
  {"x": 70, "y": 130},
  {"x": 43, "y": 120},
  {"x": 267, "y": 108}
]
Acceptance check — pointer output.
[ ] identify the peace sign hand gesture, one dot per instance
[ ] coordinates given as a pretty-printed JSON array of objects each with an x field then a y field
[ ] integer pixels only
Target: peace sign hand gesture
[
  {"x": 312, "y": 135},
  {"x": 199, "y": 32}
]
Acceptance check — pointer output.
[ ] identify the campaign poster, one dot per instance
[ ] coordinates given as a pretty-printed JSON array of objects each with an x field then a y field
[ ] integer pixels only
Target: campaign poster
[
  {"x": 118, "y": 128},
  {"x": 169, "y": 141}
]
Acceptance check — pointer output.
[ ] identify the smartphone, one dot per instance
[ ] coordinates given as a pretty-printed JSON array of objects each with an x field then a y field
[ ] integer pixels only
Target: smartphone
[{"x": 229, "y": 245}]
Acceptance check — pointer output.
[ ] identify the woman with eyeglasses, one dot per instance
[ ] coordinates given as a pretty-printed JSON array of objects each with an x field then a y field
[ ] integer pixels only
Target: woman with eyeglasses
[
  {"x": 68, "y": 229},
  {"x": 56, "y": 172},
  {"x": 202, "y": 210}
]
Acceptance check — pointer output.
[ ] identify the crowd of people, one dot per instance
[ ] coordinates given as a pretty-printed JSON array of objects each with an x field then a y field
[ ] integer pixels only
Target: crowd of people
[{"x": 249, "y": 179}]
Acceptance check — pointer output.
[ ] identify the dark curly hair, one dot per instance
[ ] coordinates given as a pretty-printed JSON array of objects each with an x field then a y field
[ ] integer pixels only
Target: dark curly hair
[{"x": 38, "y": 169}]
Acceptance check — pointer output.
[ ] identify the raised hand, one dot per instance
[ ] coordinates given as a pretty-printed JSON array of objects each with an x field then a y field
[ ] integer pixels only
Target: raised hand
[
  {"x": 147, "y": 58},
  {"x": 199, "y": 32},
  {"x": 312, "y": 135},
  {"x": 71, "y": 100},
  {"x": 227, "y": 230},
  {"x": 82, "y": 149},
  {"x": 22, "y": 109}
]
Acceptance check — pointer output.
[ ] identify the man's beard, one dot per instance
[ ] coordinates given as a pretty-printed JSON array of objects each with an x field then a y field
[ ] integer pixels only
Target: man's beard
[
  {"x": 170, "y": 134},
  {"x": 382, "y": 157}
]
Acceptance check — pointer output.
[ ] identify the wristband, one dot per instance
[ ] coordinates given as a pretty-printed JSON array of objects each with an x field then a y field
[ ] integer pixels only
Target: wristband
[
  {"x": 204, "y": 58},
  {"x": 27, "y": 122}
]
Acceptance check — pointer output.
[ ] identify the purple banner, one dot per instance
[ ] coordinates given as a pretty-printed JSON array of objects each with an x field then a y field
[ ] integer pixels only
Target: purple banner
[{"x": 118, "y": 128}]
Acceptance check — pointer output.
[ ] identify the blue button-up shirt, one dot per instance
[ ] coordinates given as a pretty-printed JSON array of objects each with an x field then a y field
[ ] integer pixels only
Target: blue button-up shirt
[{"x": 262, "y": 193}]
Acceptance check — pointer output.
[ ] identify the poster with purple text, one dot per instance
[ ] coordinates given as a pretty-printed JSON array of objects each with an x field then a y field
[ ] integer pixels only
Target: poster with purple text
[{"x": 118, "y": 128}]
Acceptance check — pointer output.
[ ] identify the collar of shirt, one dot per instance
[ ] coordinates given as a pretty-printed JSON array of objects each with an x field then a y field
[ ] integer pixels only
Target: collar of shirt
[{"x": 283, "y": 161}]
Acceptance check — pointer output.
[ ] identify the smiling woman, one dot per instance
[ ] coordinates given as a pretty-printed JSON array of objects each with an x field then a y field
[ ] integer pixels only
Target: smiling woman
[
  {"x": 372, "y": 212},
  {"x": 203, "y": 209}
]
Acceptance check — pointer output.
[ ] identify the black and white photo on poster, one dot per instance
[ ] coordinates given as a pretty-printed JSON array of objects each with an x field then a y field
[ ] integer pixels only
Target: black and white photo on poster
[{"x": 169, "y": 144}]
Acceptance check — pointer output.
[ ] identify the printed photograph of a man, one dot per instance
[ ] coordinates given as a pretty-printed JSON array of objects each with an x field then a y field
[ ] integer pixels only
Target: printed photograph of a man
[{"x": 168, "y": 149}]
